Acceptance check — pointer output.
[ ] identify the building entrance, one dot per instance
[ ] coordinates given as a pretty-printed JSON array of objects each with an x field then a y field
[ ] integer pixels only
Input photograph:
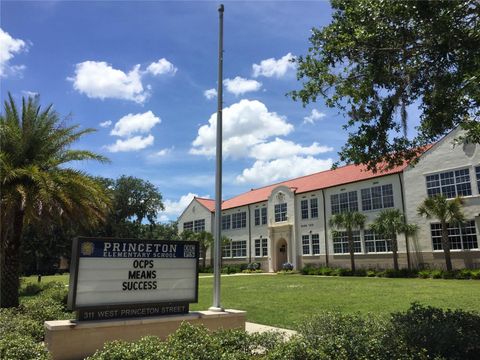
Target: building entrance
[{"x": 282, "y": 254}]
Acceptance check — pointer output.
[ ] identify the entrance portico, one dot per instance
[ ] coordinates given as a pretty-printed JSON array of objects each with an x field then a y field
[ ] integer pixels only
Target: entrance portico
[{"x": 280, "y": 246}]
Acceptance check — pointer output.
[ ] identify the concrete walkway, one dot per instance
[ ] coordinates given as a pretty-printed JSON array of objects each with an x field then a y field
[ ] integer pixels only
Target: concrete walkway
[
  {"x": 237, "y": 274},
  {"x": 259, "y": 328}
]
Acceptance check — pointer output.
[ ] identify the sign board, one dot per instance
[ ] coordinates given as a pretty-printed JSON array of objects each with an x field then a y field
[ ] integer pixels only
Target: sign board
[{"x": 117, "y": 278}]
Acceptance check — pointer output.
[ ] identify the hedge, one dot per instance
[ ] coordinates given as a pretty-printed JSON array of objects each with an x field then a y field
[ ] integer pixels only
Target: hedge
[{"x": 390, "y": 273}]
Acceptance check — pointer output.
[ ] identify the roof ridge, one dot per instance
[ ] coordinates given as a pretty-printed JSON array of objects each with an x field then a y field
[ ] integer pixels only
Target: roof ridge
[
  {"x": 292, "y": 179},
  {"x": 203, "y": 198}
]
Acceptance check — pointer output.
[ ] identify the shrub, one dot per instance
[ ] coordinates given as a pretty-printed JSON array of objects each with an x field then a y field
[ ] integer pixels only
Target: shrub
[
  {"x": 15, "y": 347},
  {"x": 450, "y": 334},
  {"x": 231, "y": 269},
  {"x": 351, "y": 336},
  {"x": 371, "y": 273},
  {"x": 326, "y": 271},
  {"x": 206, "y": 269},
  {"x": 56, "y": 291},
  {"x": 30, "y": 289},
  {"x": 42, "y": 309},
  {"x": 475, "y": 274},
  {"x": 360, "y": 272},
  {"x": 253, "y": 266},
  {"x": 449, "y": 274},
  {"x": 149, "y": 347},
  {"x": 294, "y": 349},
  {"x": 391, "y": 273},
  {"x": 287, "y": 266},
  {"x": 308, "y": 269},
  {"x": 12, "y": 322},
  {"x": 463, "y": 274},
  {"x": 436, "y": 274},
  {"x": 234, "y": 268},
  {"x": 424, "y": 274},
  {"x": 341, "y": 272}
]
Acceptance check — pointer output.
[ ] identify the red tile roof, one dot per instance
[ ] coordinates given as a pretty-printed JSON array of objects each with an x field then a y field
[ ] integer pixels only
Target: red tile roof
[
  {"x": 208, "y": 203},
  {"x": 321, "y": 180}
]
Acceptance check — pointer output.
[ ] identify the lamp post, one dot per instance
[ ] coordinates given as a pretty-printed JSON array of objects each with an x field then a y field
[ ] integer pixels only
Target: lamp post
[{"x": 218, "y": 174}]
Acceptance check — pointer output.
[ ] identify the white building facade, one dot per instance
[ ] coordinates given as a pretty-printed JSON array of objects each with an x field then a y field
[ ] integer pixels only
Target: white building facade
[{"x": 289, "y": 221}]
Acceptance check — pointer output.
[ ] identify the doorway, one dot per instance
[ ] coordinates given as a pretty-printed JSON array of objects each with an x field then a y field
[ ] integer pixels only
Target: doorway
[{"x": 282, "y": 253}]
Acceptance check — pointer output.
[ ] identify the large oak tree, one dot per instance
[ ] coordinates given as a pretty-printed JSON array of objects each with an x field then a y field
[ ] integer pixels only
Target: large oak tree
[{"x": 379, "y": 57}]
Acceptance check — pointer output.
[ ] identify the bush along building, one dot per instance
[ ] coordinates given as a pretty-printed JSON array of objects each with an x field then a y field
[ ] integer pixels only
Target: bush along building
[{"x": 289, "y": 221}]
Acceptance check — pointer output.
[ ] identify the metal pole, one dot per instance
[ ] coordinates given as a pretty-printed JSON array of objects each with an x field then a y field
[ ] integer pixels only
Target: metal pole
[{"x": 218, "y": 175}]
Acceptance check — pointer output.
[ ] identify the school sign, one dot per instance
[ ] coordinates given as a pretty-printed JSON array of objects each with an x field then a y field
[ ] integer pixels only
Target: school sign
[{"x": 121, "y": 278}]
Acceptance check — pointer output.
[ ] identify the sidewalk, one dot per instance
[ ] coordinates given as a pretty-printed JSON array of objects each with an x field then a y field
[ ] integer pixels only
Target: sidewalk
[
  {"x": 259, "y": 328},
  {"x": 237, "y": 274}
]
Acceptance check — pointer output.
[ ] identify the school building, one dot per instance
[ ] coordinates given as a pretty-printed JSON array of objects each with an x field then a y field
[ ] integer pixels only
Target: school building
[{"x": 289, "y": 221}]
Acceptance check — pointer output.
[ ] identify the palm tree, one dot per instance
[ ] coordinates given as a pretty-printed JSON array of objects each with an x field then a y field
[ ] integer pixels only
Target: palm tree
[
  {"x": 36, "y": 185},
  {"x": 447, "y": 212},
  {"x": 205, "y": 240},
  {"x": 349, "y": 221},
  {"x": 389, "y": 223}
]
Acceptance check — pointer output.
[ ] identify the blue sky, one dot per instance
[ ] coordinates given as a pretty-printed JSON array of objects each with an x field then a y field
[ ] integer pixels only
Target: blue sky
[{"x": 139, "y": 73}]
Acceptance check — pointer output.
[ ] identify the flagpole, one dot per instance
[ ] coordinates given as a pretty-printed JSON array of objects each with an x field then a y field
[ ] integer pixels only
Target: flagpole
[{"x": 218, "y": 174}]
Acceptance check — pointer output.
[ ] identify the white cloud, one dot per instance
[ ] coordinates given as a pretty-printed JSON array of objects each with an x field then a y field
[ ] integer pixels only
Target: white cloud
[
  {"x": 131, "y": 144},
  {"x": 274, "y": 68},
  {"x": 162, "y": 66},
  {"x": 8, "y": 48},
  {"x": 98, "y": 79},
  {"x": 163, "y": 152},
  {"x": 314, "y": 116},
  {"x": 239, "y": 85},
  {"x": 245, "y": 124},
  {"x": 174, "y": 208},
  {"x": 29, "y": 93},
  {"x": 105, "y": 124},
  {"x": 283, "y": 149},
  {"x": 210, "y": 94},
  {"x": 135, "y": 123},
  {"x": 266, "y": 172}
]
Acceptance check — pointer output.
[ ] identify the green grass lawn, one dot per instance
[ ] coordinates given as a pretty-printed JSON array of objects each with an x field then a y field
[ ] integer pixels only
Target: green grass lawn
[{"x": 284, "y": 300}]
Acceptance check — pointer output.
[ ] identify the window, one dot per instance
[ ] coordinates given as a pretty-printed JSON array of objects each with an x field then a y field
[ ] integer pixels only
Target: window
[
  {"x": 377, "y": 197},
  {"x": 227, "y": 250},
  {"x": 311, "y": 244},
  {"x": 188, "y": 226},
  {"x": 257, "y": 217},
  {"x": 344, "y": 202},
  {"x": 226, "y": 222},
  {"x": 281, "y": 212},
  {"x": 306, "y": 244},
  {"x": 340, "y": 243},
  {"x": 304, "y": 209},
  {"x": 477, "y": 173},
  {"x": 314, "y": 208},
  {"x": 199, "y": 225},
  {"x": 261, "y": 247},
  {"x": 264, "y": 216},
  {"x": 239, "y": 248},
  {"x": 461, "y": 237},
  {"x": 376, "y": 243},
  {"x": 315, "y": 244},
  {"x": 236, "y": 248},
  {"x": 449, "y": 184},
  {"x": 239, "y": 220}
]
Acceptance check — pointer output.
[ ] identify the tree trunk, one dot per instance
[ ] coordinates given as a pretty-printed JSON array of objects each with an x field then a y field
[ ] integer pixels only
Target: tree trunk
[
  {"x": 204, "y": 257},
  {"x": 446, "y": 246},
  {"x": 352, "y": 251},
  {"x": 395, "y": 251},
  {"x": 10, "y": 263}
]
